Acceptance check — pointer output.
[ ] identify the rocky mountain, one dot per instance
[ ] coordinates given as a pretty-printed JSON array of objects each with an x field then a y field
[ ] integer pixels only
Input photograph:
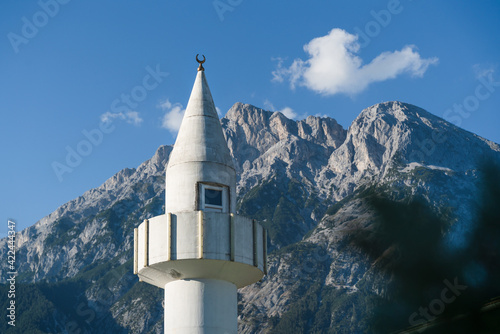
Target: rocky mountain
[{"x": 304, "y": 180}]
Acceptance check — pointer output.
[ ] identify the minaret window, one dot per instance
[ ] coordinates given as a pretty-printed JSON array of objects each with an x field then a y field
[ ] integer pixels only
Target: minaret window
[{"x": 213, "y": 198}]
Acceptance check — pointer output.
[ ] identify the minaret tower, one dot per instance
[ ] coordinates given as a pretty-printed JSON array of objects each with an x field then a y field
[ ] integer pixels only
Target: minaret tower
[{"x": 200, "y": 251}]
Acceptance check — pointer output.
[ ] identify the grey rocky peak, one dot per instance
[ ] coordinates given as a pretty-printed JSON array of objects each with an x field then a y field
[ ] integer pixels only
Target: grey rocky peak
[
  {"x": 303, "y": 180},
  {"x": 264, "y": 143}
]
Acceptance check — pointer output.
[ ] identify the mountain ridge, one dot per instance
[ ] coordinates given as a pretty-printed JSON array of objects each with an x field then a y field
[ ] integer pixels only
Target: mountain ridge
[
  {"x": 261, "y": 153},
  {"x": 303, "y": 180}
]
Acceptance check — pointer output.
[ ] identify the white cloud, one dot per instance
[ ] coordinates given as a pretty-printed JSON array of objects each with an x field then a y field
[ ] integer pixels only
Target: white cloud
[
  {"x": 131, "y": 117},
  {"x": 165, "y": 105},
  {"x": 482, "y": 71},
  {"x": 173, "y": 117},
  {"x": 268, "y": 105},
  {"x": 333, "y": 66},
  {"x": 219, "y": 112},
  {"x": 287, "y": 111}
]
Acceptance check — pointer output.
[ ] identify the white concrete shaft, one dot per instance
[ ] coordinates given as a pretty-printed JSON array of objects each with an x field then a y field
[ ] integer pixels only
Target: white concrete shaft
[{"x": 201, "y": 306}]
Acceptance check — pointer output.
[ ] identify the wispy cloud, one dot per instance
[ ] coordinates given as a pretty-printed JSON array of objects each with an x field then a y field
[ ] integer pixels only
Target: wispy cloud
[
  {"x": 483, "y": 70},
  {"x": 173, "y": 116},
  {"x": 131, "y": 117},
  {"x": 219, "y": 112},
  {"x": 268, "y": 105},
  {"x": 333, "y": 66},
  {"x": 287, "y": 111}
]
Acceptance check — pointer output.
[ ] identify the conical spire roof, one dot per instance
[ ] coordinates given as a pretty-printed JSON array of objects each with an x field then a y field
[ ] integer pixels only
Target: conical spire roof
[{"x": 200, "y": 137}]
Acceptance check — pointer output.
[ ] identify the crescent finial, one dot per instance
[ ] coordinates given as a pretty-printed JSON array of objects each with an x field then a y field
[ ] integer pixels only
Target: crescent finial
[{"x": 200, "y": 68}]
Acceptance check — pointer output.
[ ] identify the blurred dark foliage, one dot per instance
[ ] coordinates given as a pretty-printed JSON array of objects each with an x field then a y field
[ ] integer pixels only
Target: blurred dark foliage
[{"x": 428, "y": 281}]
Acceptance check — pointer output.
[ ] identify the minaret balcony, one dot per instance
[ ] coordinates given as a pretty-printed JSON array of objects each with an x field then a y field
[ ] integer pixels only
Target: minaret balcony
[{"x": 198, "y": 244}]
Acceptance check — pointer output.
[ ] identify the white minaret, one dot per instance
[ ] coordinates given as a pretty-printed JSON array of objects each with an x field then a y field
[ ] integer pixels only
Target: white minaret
[{"x": 200, "y": 251}]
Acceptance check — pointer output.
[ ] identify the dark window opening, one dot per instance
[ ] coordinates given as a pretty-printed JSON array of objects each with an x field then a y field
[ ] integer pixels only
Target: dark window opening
[{"x": 213, "y": 197}]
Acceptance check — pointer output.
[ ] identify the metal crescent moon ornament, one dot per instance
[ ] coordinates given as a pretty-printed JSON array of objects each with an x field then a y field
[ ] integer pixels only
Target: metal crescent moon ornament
[
  {"x": 200, "y": 61},
  {"x": 200, "y": 68}
]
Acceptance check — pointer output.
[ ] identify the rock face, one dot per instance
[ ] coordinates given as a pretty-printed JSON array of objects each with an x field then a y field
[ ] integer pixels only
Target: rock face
[{"x": 302, "y": 179}]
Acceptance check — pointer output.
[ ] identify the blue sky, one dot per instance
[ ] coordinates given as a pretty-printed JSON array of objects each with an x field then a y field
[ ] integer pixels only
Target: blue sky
[{"x": 121, "y": 73}]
